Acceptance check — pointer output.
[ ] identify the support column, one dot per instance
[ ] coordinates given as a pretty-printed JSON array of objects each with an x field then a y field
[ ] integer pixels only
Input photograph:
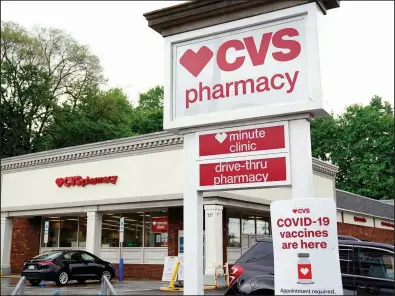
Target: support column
[
  {"x": 301, "y": 159},
  {"x": 93, "y": 233},
  {"x": 213, "y": 238},
  {"x": 6, "y": 238},
  {"x": 193, "y": 220}
]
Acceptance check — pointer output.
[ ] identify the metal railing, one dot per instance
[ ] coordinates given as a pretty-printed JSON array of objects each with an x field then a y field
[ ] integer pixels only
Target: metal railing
[
  {"x": 106, "y": 287},
  {"x": 20, "y": 287}
]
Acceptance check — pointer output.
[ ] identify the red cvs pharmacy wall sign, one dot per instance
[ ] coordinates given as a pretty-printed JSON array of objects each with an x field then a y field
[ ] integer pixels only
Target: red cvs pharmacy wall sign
[
  {"x": 241, "y": 73},
  {"x": 82, "y": 182}
]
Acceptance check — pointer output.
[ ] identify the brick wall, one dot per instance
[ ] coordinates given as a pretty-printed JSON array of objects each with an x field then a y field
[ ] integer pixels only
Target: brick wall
[
  {"x": 366, "y": 233},
  {"x": 25, "y": 241},
  {"x": 141, "y": 271}
]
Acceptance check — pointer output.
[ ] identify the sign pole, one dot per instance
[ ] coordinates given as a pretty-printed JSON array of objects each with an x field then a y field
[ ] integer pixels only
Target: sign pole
[
  {"x": 206, "y": 86},
  {"x": 193, "y": 224},
  {"x": 301, "y": 159},
  {"x": 121, "y": 236}
]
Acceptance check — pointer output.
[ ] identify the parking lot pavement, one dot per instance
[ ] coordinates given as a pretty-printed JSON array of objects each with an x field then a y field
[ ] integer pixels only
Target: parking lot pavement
[{"x": 93, "y": 288}]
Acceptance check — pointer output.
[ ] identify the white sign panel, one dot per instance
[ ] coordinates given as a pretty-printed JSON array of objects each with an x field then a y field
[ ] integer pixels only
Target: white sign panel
[
  {"x": 46, "y": 227},
  {"x": 305, "y": 246},
  {"x": 121, "y": 229},
  {"x": 46, "y": 231},
  {"x": 168, "y": 268},
  {"x": 122, "y": 224},
  {"x": 121, "y": 236},
  {"x": 256, "y": 67}
]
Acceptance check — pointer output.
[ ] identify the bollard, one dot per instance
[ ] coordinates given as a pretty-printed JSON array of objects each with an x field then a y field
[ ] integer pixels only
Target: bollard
[{"x": 120, "y": 269}]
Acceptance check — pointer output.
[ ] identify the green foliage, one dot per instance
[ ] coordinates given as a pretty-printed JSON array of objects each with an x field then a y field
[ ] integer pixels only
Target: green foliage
[
  {"x": 50, "y": 96},
  {"x": 361, "y": 143},
  {"x": 148, "y": 115},
  {"x": 100, "y": 116},
  {"x": 40, "y": 70}
]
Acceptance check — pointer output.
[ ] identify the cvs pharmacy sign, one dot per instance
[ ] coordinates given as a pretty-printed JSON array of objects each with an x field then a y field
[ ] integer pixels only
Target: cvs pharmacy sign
[
  {"x": 194, "y": 62},
  {"x": 245, "y": 69},
  {"x": 256, "y": 48}
]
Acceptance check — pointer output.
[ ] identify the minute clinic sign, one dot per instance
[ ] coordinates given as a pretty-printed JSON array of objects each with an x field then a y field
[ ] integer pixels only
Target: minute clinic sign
[
  {"x": 237, "y": 141},
  {"x": 244, "y": 157},
  {"x": 251, "y": 68}
]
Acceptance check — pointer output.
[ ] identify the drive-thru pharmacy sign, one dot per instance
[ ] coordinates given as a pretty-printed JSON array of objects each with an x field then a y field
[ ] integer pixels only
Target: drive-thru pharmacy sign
[
  {"x": 252, "y": 68},
  {"x": 305, "y": 246},
  {"x": 244, "y": 156}
]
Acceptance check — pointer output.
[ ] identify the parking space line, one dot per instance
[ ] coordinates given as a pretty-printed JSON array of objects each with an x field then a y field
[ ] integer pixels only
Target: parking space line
[
  {"x": 56, "y": 292},
  {"x": 135, "y": 290}
]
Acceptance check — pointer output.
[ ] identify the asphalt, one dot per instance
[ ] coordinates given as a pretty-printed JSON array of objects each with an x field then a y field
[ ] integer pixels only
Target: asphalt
[{"x": 126, "y": 287}]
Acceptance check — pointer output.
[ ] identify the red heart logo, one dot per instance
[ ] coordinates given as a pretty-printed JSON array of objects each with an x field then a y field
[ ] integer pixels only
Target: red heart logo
[
  {"x": 195, "y": 62},
  {"x": 294, "y": 210},
  {"x": 59, "y": 182}
]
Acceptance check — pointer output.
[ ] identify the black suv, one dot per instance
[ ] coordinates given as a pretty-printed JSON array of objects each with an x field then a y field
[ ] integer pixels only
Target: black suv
[{"x": 367, "y": 269}]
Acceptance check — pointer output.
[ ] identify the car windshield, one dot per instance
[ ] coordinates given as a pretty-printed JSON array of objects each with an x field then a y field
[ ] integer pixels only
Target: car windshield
[
  {"x": 47, "y": 256},
  {"x": 261, "y": 254}
]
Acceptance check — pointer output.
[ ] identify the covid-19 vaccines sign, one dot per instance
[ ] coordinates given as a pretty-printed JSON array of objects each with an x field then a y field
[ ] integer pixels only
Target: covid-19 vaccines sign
[{"x": 305, "y": 246}]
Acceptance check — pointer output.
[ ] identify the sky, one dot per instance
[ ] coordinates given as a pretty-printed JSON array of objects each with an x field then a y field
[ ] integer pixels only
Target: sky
[{"x": 356, "y": 53}]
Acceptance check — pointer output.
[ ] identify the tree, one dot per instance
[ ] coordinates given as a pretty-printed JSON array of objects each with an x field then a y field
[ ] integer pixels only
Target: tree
[
  {"x": 40, "y": 70},
  {"x": 148, "y": 115},
  {"x": 361, "y": 143},
  {"x": 100, "y": 116}
]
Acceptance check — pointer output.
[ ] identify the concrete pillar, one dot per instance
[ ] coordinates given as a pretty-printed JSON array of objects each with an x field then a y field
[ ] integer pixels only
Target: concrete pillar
[
  {"x": 301, "y": 159},
  {"x": 193, "y": 220},
  {"x": 6, "y": 237},
  {"x": 213, "y": 238},
  {"x": 93, "y": 233}
]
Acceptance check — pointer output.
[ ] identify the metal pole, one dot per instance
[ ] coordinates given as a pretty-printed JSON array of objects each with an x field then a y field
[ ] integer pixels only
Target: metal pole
[{"x": 121, "y": 239}]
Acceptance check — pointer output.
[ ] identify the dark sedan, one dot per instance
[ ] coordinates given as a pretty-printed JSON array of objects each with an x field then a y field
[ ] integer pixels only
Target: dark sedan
[{"x": 61, "y": 266}]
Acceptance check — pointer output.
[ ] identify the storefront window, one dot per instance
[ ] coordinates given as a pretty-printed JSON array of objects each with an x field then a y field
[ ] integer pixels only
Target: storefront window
[
  {"x": 53, "y": 232},
  {"x": 110, "y": 230},
  {"x": 233, "y": 222},
  {"x": 141, "y": 229},
  {"x": 262, "y": 226},
  {"x": 68, "y": 232},
  {"x": 248, "y": 224},
  {"x": 156, "y": 227},
  {"x": 82, "y": 232},
  {"x": 133, "y": 230},
  {"x": 65, "y": 232}
]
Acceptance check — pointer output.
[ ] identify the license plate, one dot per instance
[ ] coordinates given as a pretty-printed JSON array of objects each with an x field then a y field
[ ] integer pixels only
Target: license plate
[{"x": 31, "y": 266}]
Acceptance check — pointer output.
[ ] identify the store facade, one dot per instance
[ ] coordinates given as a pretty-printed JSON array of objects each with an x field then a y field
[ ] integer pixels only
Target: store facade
[{"x": 84, "y": 190}]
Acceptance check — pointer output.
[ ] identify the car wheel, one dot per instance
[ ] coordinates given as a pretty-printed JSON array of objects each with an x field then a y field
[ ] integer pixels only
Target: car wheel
[
  {"x": 34, "y": 282},
  {"x": 107, "y": 274},
  {"x": 63, "y": 278}
]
